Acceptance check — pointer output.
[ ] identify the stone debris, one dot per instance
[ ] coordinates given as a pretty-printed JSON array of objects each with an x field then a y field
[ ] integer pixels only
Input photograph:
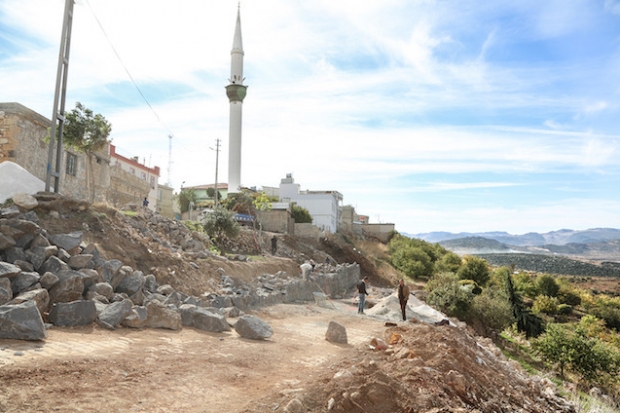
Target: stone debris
[
  {"x": 65, "y": 281},
  {"x": 336, "y": 333}
]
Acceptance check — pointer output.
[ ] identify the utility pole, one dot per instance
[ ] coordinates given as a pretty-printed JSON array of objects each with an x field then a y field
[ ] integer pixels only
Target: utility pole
[
  {"x": 217, "y": 156},
  {"x": 58, "y": 112}
]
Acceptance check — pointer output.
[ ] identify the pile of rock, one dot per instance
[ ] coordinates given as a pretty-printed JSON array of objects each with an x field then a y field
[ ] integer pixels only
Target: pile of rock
[{"x": 60, "y": 280}]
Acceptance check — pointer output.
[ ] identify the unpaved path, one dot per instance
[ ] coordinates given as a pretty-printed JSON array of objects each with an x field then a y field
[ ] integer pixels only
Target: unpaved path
[{"x": 96, "y": 370}]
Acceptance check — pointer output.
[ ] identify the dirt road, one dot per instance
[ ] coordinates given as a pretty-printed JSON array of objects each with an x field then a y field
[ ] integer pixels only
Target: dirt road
[{"x": 96, "y": 370}]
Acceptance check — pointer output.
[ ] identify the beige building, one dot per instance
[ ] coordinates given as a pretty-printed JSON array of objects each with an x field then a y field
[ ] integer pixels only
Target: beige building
[{"x": 104, "y": 176}]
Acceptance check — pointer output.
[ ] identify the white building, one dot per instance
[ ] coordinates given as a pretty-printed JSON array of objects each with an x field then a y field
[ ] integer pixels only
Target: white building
[{"x": 323, "y": 206}]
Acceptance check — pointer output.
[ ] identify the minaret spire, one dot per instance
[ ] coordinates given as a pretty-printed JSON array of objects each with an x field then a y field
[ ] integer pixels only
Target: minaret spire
[{"x": 236, "y": 93}]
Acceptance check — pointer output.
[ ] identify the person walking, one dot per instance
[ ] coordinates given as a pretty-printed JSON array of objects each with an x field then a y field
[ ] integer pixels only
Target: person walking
[
  {"x": 274, "y": 245},
  {"x": 403, "y": 296},
  {"x": 362, "y": 293}
]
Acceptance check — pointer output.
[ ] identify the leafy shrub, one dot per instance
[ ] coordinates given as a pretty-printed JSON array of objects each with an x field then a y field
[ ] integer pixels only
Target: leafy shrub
[
  {"x": 546, "y": 285},
  {"x": 450, "y": 262},
  {"x": 413, "y": 262},
  {"x": 492, "y": 309},
  {"x": 546, "y": 305},
  {"x": 448, "y": 296},
  {"x": 565, "y": 309},
  {"x": 476, "y": 269}
]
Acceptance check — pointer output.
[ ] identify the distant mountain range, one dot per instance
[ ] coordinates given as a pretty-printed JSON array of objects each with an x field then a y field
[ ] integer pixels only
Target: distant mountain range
[
  {"x": 531, "y": 239},
  {"x": 598, "y": 244}
]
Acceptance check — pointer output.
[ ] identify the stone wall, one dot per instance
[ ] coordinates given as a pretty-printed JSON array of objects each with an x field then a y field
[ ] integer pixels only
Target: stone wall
[
  {"x": 307, "y": 230},
  {"x": 125, "y": 188},
  {"x": 277, "y": 221},
  {"x": 380, "y": 231}
]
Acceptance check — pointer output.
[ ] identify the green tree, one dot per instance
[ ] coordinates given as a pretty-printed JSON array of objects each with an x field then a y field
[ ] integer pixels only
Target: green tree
[
  {"x": 88, "y": 133},
  {"x": 262, "y": 202},
  {"x": 300, "y": 214},
  {"x": 85, "y": 131},
  {"x": 527, "y": 322},
  {"x": 546, "y": 305},
  {"x": 554, "y": 346},
  {"x": 546, "y": 285},
  {"x": 448, "y": 296},
  {"x": 492, "y": 310},
  {"x": 211, "y": 193},
  {"x": 476, "y": 269},
  {"x": 186, "y": 196},
  {"x": 413, "y": 262},
  {"x": 221, "y": 224},
  {"x": 449, "y": 262}
]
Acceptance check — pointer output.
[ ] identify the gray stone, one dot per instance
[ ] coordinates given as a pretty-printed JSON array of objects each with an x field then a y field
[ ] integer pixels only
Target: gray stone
[
  {"x": 103, "y": 289},
  {"x": 137, "y": 318},
  {"x": 116, "y": 312},
  {"x": 151, "y": 283},
  {"x": 40, "y": 241},
  {"x": 67, "y": 241},
  {"x": 48, "y": 280},
  {"x": 24, "y": 265},
  {"x": 165, "y": 289},
  {"x": 336, "y": 333},
  {"x": 23, "y": 281},
  {"x": 63, "y": 254},
  {"x": 77, "y": 262},
  {"x": 111, "y": 272},
  {"x": 25, "y": 201},
  {"x": 90, "y": 277},
  {"x": 13, "y": 254},
  {"x": 6, "y": 242},
  {"x": 252, "y": 327},
  {"x": 21, "y": 322},
  {"x": 70, "y": 287},
  {"x": 39, "y": 296},
  {"x": 9, "y": 212},
  {"x": 6, "y": 292},
  {"x": 76, "y": 313},
  {"x": 174, "y": 299},
  {"x": 160, "y": 316},
  {"x": 8, "y": 270},
  {"x": 208, "y": 321},
  {"x": 132, "y": 283},
  {"x": 53, "y": 264},
  {"x": 138, "y": 297},
  {"x": 187, "y": 311}
]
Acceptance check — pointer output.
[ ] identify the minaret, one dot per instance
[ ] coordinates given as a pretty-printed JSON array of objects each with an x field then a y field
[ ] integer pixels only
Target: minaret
[{"x": 236, "y": 92}]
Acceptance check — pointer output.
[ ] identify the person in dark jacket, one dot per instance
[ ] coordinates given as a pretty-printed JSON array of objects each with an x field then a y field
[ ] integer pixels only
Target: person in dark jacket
[
  {"x": 362, "y": 293},
  {"x": 403, "y": 296}
]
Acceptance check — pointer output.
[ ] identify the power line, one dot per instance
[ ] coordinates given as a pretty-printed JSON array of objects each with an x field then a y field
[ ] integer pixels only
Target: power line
[{"x": 127, "y": 70}]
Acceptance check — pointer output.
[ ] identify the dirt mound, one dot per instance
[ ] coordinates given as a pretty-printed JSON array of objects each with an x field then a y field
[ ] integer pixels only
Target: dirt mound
[{"x": 425, "y": 369}]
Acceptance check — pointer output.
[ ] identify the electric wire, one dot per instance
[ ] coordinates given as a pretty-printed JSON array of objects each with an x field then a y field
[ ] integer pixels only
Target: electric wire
[{"x": 126, "y": 69}]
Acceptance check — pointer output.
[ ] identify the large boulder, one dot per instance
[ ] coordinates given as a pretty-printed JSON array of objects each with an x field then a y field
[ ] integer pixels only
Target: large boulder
[
  {"x": 336, "y": 333},
  {"x": 21, "y": 322},
  {"x": 25, "y": 201},
  {"x": 132, "y": 283},
  {"x": 39, "y": 296},
  {"x": 70, "y": 287},
  {"x": 137, "y": 318},
  {"x": 8, "y": 270},
  {"x": 23, "y": 281},
  {"x": 67, "y": 241},
  {"x": 160, "y": 316},
  {"x": 111, "y": 272},
  {"x": 203, "y": 319},
  {"x": 6, "y": 292},
  {"x": 115, "y": 313},
  {"x": 76, "y": 313},
  {"x": 252, "y": 327}
]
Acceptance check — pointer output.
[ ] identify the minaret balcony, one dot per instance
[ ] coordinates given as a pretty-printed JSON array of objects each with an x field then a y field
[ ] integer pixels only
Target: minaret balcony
[{"x": 236, "y": 93}]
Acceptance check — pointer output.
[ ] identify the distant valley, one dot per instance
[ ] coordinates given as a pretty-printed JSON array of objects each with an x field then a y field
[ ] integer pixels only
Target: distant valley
[{"x": 563, "y": 252}]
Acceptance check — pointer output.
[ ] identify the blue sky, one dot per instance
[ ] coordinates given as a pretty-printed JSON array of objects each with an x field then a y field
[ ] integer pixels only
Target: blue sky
[{"x": 432, "y": 115}]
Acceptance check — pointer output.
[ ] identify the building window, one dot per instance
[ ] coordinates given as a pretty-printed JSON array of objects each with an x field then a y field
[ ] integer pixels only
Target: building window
[
  {"x": 143, "y": 175},
  {"x": 152, "y": 182},
  {"x": 132, "y": 170},
  {"x": 71, "y": 164}
]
